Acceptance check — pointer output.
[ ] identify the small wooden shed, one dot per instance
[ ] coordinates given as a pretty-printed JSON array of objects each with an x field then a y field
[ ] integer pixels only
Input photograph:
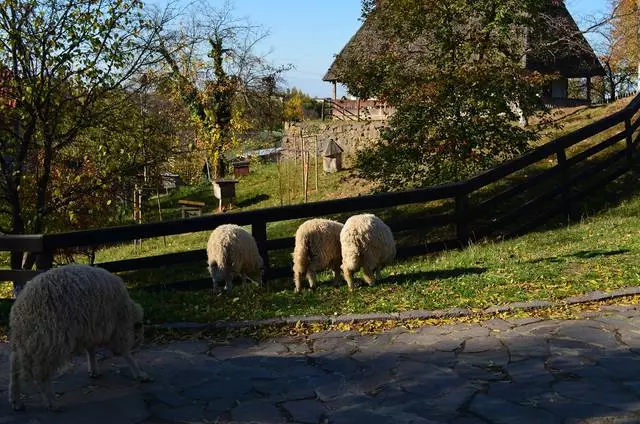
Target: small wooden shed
[{"x": 332, "y": 157}]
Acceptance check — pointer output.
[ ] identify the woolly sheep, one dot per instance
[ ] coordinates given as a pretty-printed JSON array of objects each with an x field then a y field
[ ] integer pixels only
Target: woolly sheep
[
  {"x": 66, "y": 311},
  {"x": 233, "y": 252},
  {"x": 366, "y": 243},
  {"x": 317, "y": 248}
]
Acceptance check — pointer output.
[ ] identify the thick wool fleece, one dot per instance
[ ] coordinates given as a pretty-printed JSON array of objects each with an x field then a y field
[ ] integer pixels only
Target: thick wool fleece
[
  {"x": 317, "y": 248},
  {"x": 66, "y": 311},
  {"x": 233, "y": 252},
  {"x": 367, "y": 243}
]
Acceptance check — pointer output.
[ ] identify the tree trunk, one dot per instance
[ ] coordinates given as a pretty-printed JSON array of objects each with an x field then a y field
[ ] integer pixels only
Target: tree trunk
[
  {"x": 43, "y": 185},
  {"x": 609, "y": 77},
  {"x": 219, "y": 168}
]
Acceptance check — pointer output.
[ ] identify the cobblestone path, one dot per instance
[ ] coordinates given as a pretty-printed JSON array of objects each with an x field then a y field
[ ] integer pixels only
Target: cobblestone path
[{"x": 516, "y": 371}]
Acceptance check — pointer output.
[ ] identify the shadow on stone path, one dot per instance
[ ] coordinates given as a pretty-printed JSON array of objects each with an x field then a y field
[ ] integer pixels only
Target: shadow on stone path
[{"x": 516, "y": 371}]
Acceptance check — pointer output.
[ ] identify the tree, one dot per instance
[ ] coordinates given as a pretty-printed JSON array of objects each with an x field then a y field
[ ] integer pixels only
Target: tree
[
  {"x": 63, "y": 58},
  {"x": 455, "y": 80},
  {"x": 299, "y": 106},
  {"x": 221, "y": 88},
  {"x": 60, "y": 60},
  {"x": 294, "y": 106},
  {"x": 619, "y": 36}
]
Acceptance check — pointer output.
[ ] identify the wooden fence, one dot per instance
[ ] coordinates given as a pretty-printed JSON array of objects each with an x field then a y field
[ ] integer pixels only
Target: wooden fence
[
  {"x": 357, "y": 110},
  {"x": 558, "y": 174}
]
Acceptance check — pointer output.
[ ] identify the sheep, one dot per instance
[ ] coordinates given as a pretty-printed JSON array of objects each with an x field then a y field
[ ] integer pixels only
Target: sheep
[
  {"x": 63, "y": 312},
  {"x": 317, "y": 248},
  {"x": 366, "y": 242},
  {"x": 233, "y": 252}
]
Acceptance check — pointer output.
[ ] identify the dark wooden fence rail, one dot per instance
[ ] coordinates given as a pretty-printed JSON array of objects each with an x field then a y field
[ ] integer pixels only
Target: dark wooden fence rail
[{"x": 480, "y": 209}]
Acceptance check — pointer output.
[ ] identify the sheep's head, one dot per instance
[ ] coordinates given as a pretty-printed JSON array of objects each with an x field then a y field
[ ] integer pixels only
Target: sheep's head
[{"x": 138, "y": 327}]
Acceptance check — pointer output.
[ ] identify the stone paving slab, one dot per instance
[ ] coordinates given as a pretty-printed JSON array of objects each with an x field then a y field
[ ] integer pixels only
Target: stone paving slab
[{"x": 499, "y": 371}]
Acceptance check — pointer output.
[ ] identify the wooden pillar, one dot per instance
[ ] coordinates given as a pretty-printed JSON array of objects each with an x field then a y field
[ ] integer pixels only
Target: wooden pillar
[
  {"x": 358, "y": 108},
  {"x": 259, "y": 232},
  {"x": 335, "y": 90},
  {"x": 462, "y": 218},
  {"x": 589, "y": 89}
]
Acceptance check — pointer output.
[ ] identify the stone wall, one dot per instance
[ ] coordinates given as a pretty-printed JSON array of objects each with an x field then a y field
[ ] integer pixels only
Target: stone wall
[{"x": 351, "y": 136}]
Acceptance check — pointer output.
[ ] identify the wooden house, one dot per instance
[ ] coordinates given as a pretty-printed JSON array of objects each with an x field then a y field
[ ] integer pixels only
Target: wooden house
[{"x": 568, "y": 53}]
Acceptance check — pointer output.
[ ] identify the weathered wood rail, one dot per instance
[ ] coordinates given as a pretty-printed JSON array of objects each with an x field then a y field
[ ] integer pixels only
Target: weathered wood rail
[{"x": 484, "y": 205}]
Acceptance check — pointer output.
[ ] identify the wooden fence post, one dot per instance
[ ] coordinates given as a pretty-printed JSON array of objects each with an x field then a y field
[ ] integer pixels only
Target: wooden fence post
[
  {"x": 462, "y": 218},
  {"x": 629, "y": 133},
  {"x": 561, "y": 157},
  {"x": 44, "y": 261},
  {"x": 259, "y": 232},
  {"x": 16, "y": 264}
]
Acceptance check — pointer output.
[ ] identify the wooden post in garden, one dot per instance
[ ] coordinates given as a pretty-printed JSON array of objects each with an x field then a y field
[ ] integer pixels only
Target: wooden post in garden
[
  {"x": 305, "y": 171},
  {"x": 315, "y": 158},
  {"x": 302, "y": 160},
  {"x": 358, "y": 108},
  {"x": 287, "y": 176},
  {"x": 164, "y": 238},
  {"x": 278, "y": 167},
  {"x": 137, "y": 209}
]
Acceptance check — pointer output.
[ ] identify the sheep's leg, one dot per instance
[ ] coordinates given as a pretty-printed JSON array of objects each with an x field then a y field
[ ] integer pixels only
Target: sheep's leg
[
  {"x": 311, "y": 277},
  {"x": 348, "y": 276},
  {"x": 48, "y": 397},
  {"x": 93, "y": 364},
  {"x": 213, "y": 278},
  {"x": 336, "y": 274},
  {"x": 297, "y": 280},
  {"x": 367, "y": 274},
  {"x": 14, "y": 383},
  {"x": 137, "y": 373},
  {"x": 228, "y": 285}
]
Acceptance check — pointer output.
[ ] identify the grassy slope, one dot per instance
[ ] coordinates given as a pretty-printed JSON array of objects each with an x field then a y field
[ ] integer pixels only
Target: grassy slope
[{"x": 601, "y": 253}]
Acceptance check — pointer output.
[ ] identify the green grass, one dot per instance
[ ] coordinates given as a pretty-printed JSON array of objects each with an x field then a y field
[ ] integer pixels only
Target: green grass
[
  {"x": 600, "y": 253},
  {"x": 268, "y": 185}
]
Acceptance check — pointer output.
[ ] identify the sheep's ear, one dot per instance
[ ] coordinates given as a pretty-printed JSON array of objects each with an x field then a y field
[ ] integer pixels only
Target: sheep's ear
[{"x": 137, "y": 326}]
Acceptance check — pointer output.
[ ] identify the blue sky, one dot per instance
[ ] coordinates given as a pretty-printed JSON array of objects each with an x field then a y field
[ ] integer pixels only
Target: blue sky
[{"x": 308, "y": 33}]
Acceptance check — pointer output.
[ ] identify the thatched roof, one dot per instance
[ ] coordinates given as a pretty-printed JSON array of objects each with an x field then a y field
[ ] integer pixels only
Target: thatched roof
[{"x": 566, "y": 50}]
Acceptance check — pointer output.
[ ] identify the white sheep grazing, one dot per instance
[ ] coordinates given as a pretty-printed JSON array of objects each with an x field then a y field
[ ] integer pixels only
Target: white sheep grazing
[
  {"x": 233, "y": 252},
  {"x": 317, "y": 248},
  {"x": 366, "y": 243},
  {"x": 63, "y": 312}
]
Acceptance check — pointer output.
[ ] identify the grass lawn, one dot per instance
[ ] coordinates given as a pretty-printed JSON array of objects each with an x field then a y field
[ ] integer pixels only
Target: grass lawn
[{"x": 600, "y": 253}]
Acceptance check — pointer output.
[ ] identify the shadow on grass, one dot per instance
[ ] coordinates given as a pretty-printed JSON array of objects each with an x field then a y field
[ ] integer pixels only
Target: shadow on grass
[
  {"x": 436, "y": 274},
  {"x": 583, "y": 254},
  {"x": 253, "y": 200}
]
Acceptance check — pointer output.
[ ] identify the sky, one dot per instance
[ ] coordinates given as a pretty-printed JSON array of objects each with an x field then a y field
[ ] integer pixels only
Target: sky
[{"x": 309, "y": 33}]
